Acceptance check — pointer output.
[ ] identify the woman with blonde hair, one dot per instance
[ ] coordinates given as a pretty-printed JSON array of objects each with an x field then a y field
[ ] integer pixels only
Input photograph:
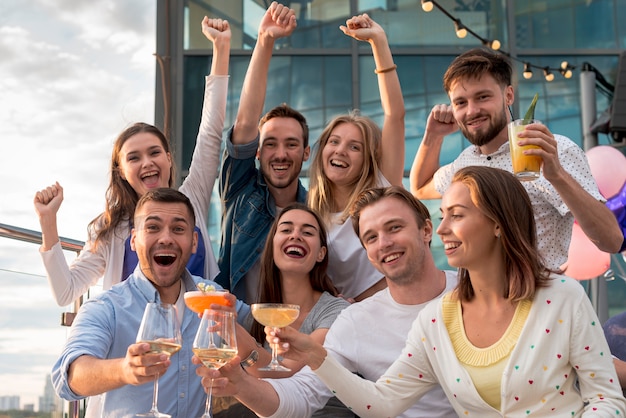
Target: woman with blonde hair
[{"x": 354, "y": 154}]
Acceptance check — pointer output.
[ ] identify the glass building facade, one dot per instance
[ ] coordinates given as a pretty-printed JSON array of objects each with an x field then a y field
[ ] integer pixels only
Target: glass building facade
[{"x": 322, "y": 72}]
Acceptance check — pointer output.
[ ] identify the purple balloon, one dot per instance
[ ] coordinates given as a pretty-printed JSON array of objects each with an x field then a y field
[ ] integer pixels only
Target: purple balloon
[{"x": 617, "y": 205}]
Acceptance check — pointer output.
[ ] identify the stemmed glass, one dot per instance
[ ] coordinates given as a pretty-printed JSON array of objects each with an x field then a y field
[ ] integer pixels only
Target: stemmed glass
[
  {"x": 215, "y": 344},
  {"x": 159, "y": 328},
  {"x": 275, "y": 315}
]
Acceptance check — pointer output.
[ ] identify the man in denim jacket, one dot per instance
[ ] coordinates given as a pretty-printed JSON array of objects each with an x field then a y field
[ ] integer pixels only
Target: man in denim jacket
[{"x": 252, "y": 197}]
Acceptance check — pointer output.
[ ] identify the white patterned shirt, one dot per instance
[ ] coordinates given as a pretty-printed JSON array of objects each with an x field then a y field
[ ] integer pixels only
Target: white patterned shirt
[{"x": 553, "y": 218}]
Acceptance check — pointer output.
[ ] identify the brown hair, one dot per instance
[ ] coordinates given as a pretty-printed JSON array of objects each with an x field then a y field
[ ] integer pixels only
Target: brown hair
[
  {"x": 120, "y": 197},
  {"x": 270, "y": 283},
  {"x": 321, "y": 191},
  {"x": 285, "y": 111},
  {"x": 475, "y": 63},
  {"x": 166, "y": 195},
  {"x": 502, "y": 198},
  {"x": 370, "y": 196}
]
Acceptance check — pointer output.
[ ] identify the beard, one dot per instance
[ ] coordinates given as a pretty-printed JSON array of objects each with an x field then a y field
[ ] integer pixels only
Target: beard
[
  {"x": 283, "y": 183},
  {"x": 483, "y": 137}
]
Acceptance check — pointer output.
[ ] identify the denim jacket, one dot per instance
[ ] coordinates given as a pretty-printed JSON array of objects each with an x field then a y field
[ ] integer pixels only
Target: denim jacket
[{"x": 248, "y": 210}]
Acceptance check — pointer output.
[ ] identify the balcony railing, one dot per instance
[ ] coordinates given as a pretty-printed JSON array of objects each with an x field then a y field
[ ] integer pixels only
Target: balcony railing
[{"x": 34, "y": 237}]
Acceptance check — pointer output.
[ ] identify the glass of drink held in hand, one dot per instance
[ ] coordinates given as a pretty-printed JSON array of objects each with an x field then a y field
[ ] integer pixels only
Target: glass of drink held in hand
[
  {"x": 525, "y": 167},
  {"x": 276, "y": 315},
  {"x": 201, "y": 299},
  {"x": 215, "y": 344},
  {"x": 159, "y": 328}
]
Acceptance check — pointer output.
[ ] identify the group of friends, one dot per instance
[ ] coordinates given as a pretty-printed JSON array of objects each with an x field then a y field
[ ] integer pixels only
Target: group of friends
[{"x": 382, "y": 331}]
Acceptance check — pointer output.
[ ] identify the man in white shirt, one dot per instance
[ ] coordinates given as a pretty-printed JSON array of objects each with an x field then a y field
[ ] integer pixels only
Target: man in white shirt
[
  {"x": 396, "y": 231},
  {"x": 478, "y": 83}
]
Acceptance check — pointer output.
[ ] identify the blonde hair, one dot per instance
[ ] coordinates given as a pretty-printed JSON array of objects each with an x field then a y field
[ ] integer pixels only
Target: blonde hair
[{"x": 322, "y": 194}]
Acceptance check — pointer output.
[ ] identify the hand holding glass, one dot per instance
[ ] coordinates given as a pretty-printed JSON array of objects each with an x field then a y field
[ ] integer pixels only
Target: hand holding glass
[
  {"x": 215, "y": 344},
  {"x": 159, "y": 328},
  {"x": 276, "y": 315},
  {"x": 525, "y": 167}
]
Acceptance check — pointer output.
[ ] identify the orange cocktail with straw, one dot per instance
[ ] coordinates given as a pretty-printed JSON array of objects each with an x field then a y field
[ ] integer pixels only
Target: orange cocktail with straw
[{"x": 199, "y": 300}]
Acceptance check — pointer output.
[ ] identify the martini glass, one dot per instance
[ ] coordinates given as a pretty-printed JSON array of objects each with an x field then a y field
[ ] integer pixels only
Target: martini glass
[{"x": 275, "y": 315}]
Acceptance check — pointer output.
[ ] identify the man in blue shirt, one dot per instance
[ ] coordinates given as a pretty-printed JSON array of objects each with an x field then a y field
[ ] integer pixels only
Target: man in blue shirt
[
  {"x": 251, "y": 196},
  {"x": 101, "y": 356}
]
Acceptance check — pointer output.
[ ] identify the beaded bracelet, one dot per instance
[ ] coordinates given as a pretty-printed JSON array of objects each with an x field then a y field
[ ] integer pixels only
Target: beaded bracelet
[{"x": 385, "y": 70}]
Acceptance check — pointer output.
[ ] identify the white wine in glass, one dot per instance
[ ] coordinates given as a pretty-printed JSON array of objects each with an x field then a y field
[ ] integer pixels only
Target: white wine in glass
[
  {"x": 215, "y": 344},
  {"x": 159, "y": 328},
  {"x": 275, "y": 315}
]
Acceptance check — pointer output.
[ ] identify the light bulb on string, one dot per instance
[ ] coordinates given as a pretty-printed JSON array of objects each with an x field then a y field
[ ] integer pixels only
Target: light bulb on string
[
  {"x": 427, "y": 5},
  {"x": 495, "y": 44},
  {"x": 528, "y": 73},
  {"x": 548, "y": 74},
  {"x": 461, "y": 32}
]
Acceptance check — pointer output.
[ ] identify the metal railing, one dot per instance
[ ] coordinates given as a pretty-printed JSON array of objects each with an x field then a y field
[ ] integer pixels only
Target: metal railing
[{"x": 34, "y": 237}]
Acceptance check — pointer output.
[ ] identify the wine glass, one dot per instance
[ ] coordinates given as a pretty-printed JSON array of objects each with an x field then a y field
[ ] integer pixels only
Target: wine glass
[
  {"x": 275, "y": 315},
  {"x": 215, "y": 344},
  {"x": 159, "y": 328}
]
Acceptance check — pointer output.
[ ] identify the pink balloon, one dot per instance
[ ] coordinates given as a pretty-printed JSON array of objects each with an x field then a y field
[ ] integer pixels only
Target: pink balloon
[
  {"x": 608, "y": 167},
  {"x": 585, "y": 260}
]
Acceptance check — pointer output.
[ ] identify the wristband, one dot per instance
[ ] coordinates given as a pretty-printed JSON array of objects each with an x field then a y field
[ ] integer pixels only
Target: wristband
[{"x": 385, "y": 70}]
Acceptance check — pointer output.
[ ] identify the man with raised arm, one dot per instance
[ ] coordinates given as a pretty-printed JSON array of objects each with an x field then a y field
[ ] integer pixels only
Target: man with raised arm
[
  {"x": 251, "y": 197},
  {"x": 478, "y": 83}
]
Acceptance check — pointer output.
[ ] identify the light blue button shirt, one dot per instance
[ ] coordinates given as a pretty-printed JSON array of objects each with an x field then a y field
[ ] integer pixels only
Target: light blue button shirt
[{"x": 104, "y": 328}]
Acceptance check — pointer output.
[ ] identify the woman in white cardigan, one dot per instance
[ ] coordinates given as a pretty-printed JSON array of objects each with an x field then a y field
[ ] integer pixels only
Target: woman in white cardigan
[
  {"x": 513, "y": 339},
  {"x": 141, "y": 161}
]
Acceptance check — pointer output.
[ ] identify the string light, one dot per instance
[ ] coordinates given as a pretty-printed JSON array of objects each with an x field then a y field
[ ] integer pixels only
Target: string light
[
  {"x": 528, "y": 73},
  {"x": 461, "y": 31},
  {"x": 566, "y": 69},
  {"x": 548, "y": 74},
  {"x": 494, "y": 44}
]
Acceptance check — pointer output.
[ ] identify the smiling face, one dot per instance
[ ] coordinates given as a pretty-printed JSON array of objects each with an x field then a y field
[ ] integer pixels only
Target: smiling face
[
  {"x": 144, "y": 163},
  {"x": 479, "y": 106},
  {"x": 469, "y": 237},
  {"x": 164, "y": 239},
  {"x": 297, "y": 245},
  {"x": 395, "y": 244},
  {"x": 282, "y": 152},
  {"x": 343, "y": 155}
]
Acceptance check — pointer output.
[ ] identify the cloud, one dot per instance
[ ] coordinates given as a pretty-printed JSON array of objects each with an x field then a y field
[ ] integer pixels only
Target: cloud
[
  {"x": 73, "y": 75},
  {"x": 77, "y": 74}
]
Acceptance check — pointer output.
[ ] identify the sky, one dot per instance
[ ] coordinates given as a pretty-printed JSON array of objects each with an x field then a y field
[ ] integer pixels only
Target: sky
[{"x": 73, "y": 75}]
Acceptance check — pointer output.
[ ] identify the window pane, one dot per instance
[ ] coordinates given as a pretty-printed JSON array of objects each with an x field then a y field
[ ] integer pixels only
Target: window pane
[{"x": 406, "y": 24}]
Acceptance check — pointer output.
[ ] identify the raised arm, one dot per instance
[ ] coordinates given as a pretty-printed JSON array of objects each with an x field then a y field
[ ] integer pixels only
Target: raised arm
[
  {"x": 218, "y": 32},
  {"x": 440, "y": 123},
  {"x": 279, "y": 21},
  {"x": 66, "y": 283},
  {"x": 363, "y": 28},
  {"x": 47, "y": 203}
]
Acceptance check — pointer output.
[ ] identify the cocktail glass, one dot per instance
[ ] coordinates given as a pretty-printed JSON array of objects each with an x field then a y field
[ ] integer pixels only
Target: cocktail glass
[
  {"x": 198, "y": 300},
  {"x": 275, "y": 315}
]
